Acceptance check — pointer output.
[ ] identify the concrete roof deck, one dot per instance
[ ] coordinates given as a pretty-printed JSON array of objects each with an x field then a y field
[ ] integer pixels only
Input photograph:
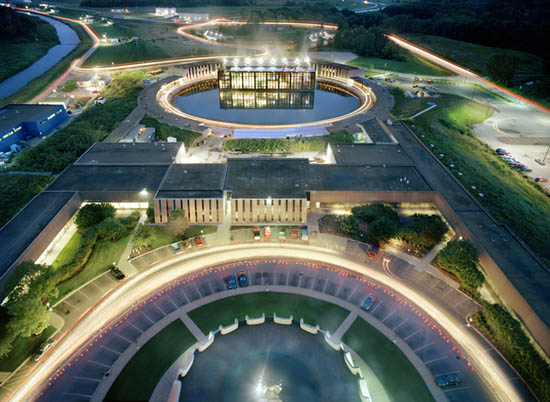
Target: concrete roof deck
[
  {"x": 375, "y": 130},
  {"x": 370, "y": 154},
  {"x": 115, "y": 153},
  {"x": 24, "y": 227},
  {"x": 109, "y": 178},
  {"x": 193, "y": 180}
]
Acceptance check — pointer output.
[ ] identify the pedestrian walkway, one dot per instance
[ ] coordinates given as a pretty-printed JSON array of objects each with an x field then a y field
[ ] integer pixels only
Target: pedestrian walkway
[
  {"x": 343, "y": 328},
  {"x": 192, "y": 327},
  {"x": 123, "y": 263}
]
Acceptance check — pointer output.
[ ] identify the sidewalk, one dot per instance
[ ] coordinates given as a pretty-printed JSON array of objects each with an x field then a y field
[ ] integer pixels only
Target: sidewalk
[{"x": 123, "y": 263}]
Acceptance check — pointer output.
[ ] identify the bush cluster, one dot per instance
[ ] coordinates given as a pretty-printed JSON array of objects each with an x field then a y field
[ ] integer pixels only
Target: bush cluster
[{"x": 460, "y": 257}]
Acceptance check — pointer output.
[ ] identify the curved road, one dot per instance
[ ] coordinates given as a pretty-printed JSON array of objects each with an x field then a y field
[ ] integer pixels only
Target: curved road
[{"x": 129, "y": 295}]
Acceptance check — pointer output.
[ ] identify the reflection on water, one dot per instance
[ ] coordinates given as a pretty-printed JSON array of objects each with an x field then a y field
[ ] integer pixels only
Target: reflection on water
[
  {"x": 265, "y": 107},
  {"x": 68, "y": 41}
]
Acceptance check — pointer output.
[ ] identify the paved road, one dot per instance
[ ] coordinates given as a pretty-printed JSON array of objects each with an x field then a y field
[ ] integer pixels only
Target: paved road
[{"x": 85, "y": 375}]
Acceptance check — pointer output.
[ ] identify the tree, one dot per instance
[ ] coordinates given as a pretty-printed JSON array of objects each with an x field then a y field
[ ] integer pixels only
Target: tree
[
  {"x": 111, "y": 229},
  {"x": 382, "y": 229},
  {"x": 92, "y": 214},
  {"x": 424, "y": 230},
  {"x": 143, "y": 235},
  {"x": 460, "y": 257},
  {"x": 502, "y": 67},
  {"x": 151, "y": 214},
  {"x": 349, "y": 225},
  {"x": 370, "y": 212},
  {"x": 177, "y": 222}
]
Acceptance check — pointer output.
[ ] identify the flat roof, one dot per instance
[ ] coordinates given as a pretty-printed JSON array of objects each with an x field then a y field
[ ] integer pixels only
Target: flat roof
[
  {"x": 263, "y": 177},
  {"x": 375, "y": 129},
  {"x": 109, "y": 178},
  {"x": 355, "y": 178},
  {"x": 273, "y": 69},
  {"x": 116, "y": 153},
  {"x": 24, "y": 227},
  {"x": 370, "y": 154},
  {"x": 193, "y": 180},
  {"x": 13, "y": 114}
]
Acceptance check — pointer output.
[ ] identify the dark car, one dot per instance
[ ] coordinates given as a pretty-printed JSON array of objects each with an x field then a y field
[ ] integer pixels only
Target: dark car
[
  {"x": 243, "y": 280},
  {"x": 231, "y": 282},
  {"x": 117, "y": 273},
  {"x": 368, "y": 302},
  {"x": 446, "y": 380}
]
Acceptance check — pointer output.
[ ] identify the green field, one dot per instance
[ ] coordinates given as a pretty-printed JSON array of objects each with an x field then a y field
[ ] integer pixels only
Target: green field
[
  {"x": 397, "y": 375},
  {"x": 141, "y": 374},
  {"x": 163, "y": 131},
  {"x": 410, "y": 64},
  {"x": 224, "y": 312},
  {"x": 510, "y": 196},
  {"x": 34, "y": 87},
  {"x": 16, "y": 190},
  {"x": 101, "y": 260},
  {"x": 23, "y": 348},
  {"x": 18, "y": 54},
  {"x": 67, "y": 254}
]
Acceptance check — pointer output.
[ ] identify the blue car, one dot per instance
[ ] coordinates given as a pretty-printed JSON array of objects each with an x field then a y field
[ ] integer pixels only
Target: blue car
[
  {"x": 231, "y": 282},
  {"x": 243, "y": 280},
  {"x": 446, "y": 380},
  {"x": 368, "y": 302}
]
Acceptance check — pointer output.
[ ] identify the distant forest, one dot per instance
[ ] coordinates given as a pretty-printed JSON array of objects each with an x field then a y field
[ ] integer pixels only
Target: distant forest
[
  {"x": 164, "y": 3},
  {"x": 15, "y": 25}
]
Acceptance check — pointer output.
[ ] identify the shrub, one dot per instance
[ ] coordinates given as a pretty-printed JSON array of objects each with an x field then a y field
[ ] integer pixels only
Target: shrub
[
  {"x": 110, "y": 229},
  {"x": 424, "y": 230},
  {"x": 349, "y": 225},
  {"x": 131, "y": 220},
  {"x": 382, "y": 229},
  {"x": 92, "y": 214},
  {"x": 368, "y": 213},
  {"x": 460, "y": 258},
  {"x": 151, "y": 213},
  {"x": 143, "y": 235}
]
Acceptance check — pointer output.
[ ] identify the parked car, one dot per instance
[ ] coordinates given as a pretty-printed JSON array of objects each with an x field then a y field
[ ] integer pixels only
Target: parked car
[
  {"x": 256, "y": 230},
  {"x": 502, "y": 151},
  {"x": 198, "y": 241},
  {"x": 373, "y": 251},
  {"x": 43, "y": 349},
  {"x": 541, "y": 180},
  {"x": 117, "y": 273},
  {"x": 282, "y": 234},
  {"x": 446, "y": 380},
  {"x": 305, "y": 236},
  {"x": 243, "y": 280},
  {"x": 540, "y": 161},
  {"x": 368, "y": 302},
  {"x": 267, "y": 232},
  {"x": 175, "y": 246},
  {"x": 293, "y": 233},
  {"x": 231, "y": 281}
]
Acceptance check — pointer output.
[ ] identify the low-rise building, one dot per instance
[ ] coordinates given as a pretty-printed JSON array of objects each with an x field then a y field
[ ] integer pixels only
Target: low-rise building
[
  {"x": 18, "y": 122},
  {"x": 194, "y": 17},
  {"x": 93, "y": 81},
  {"x": 165, "y": 12}
]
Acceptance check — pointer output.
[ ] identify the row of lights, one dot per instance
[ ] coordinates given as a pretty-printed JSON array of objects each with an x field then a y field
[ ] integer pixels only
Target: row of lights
[{"x": 272, "y": 62}]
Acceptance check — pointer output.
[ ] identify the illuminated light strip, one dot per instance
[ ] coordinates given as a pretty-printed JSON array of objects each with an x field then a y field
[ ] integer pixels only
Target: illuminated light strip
[
  {"x": 125, "y": 295},
  {"x": 76, "y": 62},
  {"x": 164, "y": 97},
  {"x": 457, "y": 68}
]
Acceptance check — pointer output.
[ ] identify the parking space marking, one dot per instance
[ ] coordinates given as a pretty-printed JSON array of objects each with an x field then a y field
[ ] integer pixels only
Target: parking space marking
[
  {"x": 76, "y": 308},
  {"x": 413, "y": 334},
  {"x": 94, "y": 284},
  {"x": 210, "y": 283},
  {"x": 326, "y": 283},
  {"x": 110, "y": 350},
  {"x": 389, "y": 315},
  {"x": 146, "y": 316},
  {"x": 437, "y": 359},
  {"x": 352, "y": 292},
  {"x": 123, "y": 337},
  {"x": 423, "y": 347},
  {"x": 172, "y": 301},
  {"x": 183, "y": 293},
  {"x": 195, "y": 285},
  {"x": 87, "y": 379},
  {"x": 339, "y": 287},
  {"x": 402, "y": 322},
  {"x": 455, "y": 389},
  {"x": 99, "y": 364},
  {"x": 460, "y": 302},
  {"x": 135, "y": 327},
  {"x": 84, "y": 294},
  {"x": 375, "y": 307},
  {"x": 446, "y": 373},
  {"x": 157, "y": 306},
  {"x": 78, "y": 395}
]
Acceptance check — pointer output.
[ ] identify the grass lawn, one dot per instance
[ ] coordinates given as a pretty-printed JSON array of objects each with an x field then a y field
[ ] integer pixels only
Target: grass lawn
[
  {"x": 509, "y": 196},
  {"x": 23, "y": 348},
  {"x": 269, "y": 146},
  {"x": 313, "y": 311},
  {"x": 396, "y": 374},
  {"x": 163, "y": 131},
  {"x": 405, "y": 107},
  {"x": 67, "y": 254},
  {"x": 411, "y": 64},
  {"x": 18, "y": 54},
  {"x": 16, "y": 190},
  {"x": 34, "y": 87},
  {"x": 141, "y": 374},
  {"x": 105, "y": 252}
]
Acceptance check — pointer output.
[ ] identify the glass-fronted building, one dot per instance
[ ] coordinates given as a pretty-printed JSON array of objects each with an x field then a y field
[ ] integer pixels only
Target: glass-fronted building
[
  {"x": 267, "y": 78},
  {"x": 250, "y": 99}
]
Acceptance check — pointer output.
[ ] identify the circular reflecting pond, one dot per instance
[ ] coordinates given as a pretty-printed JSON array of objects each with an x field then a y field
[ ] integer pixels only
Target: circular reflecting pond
[
  {"x": 272, "y": 363},
  {"x": 266, "y": 107}
]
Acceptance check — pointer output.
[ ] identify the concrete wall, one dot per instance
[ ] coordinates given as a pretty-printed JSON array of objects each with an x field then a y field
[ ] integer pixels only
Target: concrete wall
[
  {"x": 262, "y": 210},
  {"x": 41, "y": 242},
  {"x": 198, "y": 210}
]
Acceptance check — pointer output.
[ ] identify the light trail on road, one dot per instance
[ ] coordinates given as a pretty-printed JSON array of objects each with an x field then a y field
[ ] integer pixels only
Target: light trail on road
[
  {"x": 455, "y": 68},
  {"x": 75, "y": 62},
  {"x": 131, "y": 292}
]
